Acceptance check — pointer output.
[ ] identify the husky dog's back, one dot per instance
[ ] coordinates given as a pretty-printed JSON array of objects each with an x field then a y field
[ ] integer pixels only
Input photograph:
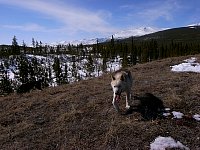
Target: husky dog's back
[{"x": 121, "y": 82}]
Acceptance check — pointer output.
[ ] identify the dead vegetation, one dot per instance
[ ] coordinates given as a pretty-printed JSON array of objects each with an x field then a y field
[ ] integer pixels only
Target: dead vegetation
[{"x": 81, "y": 115}]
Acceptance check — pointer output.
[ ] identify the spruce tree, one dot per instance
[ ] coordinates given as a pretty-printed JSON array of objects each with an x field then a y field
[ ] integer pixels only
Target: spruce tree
[
  {"x": 40, "y": 47},
  {"x": 33, "y": 42},
  {"x": 57, "y": 69},
  {"x": 65, "y": 76},
  {"x": 23, "y": 69},
  {"x": 15, "y": 46},
  {"x": 5, "y": 83},
  {"x": 90, "y": 66},
  {"x": 24, "y": 47}
]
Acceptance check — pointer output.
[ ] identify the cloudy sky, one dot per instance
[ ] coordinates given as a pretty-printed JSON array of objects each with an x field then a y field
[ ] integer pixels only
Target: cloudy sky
[{"x": 57, "y": 20}]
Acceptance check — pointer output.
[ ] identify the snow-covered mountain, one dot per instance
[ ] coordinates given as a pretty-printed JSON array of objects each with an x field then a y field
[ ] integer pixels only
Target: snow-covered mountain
[
  {"x": 134, "y": 32},
  {"x": 195, "y": 24},
  {"x": 119, "y": 35},
  {"x": 83, "y": 41}
]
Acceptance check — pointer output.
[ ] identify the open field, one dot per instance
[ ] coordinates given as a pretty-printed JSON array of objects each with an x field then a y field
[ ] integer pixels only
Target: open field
[{"x": 81, "y": 115}]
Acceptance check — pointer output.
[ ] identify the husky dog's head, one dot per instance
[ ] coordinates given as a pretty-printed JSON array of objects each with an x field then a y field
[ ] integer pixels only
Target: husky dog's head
[{"x": 118, "y": 84}]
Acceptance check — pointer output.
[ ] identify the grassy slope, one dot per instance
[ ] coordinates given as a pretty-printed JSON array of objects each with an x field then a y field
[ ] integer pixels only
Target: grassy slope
[{"x": 81, "y": 116}]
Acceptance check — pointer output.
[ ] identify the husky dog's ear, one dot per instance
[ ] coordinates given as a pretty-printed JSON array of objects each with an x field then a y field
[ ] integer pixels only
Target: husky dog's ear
[
  {"x": 113, "y": 78},
  {"x": 122, "y": 78}
]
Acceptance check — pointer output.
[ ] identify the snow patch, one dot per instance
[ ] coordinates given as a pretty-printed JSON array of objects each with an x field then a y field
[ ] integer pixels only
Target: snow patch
[
  {"x": 167, "y": 109},
  {"x": 166, "y": 114},
  {"x": 161, "y": 143},
  {"x": 11, "y": 75},
  {"x": 196, "y": 117},
  {"x": 177, "y": 115},
  {"x": 189, "y": 65}
]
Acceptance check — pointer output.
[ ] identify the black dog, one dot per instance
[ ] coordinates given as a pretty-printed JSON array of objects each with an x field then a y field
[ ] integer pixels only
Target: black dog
[{"x": 28, "y": 86}]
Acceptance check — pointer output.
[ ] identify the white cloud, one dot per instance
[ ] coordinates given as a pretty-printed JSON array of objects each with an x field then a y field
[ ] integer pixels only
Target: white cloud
[
  {"x": 74, "y": 19},
  {"x": 152, "y": 11},
  {"x": 26, "y": 27},
  {"x": 165, "y": 11}
]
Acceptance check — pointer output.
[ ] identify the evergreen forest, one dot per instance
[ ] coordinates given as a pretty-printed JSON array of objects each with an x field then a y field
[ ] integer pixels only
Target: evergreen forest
[{"x": 64, "y": 64}]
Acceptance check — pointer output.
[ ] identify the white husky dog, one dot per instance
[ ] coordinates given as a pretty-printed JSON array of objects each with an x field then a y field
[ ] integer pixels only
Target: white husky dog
[{"x": 121, "y": 82}]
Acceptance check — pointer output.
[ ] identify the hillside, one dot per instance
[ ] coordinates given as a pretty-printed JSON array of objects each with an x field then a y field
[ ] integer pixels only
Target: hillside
[
  {"x": 181, "y": 34},
  {"x": 81, "y": 116}
]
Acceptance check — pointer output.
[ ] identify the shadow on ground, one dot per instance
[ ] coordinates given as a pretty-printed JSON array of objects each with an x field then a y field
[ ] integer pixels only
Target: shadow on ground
[{"x": 150, "y": 107}]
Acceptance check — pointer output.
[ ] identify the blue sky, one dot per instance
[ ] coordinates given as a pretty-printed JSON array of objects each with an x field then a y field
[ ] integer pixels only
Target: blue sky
[{"x": 57, "y": 20}]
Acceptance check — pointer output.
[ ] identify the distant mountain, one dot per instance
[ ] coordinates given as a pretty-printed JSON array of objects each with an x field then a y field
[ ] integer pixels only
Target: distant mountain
[
  {"x": 83, "y": 41},
  {"x": 119, "y": 35},
  {"x": 182, "y": 34},
  {"x": 134, "y": 32},
  {"x": 193, "y": 25}
]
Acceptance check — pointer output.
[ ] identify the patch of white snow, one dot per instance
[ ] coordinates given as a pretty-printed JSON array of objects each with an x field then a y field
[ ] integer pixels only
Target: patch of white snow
[
  {"x": 196, "y": 117},
  {"x": 167, "y": 109},
  {"x": 166, "y": 114},
  {"x": 189, "y": 65},
  {"x": 177, "y": 115},
  {"x": 161, "y": 143}
]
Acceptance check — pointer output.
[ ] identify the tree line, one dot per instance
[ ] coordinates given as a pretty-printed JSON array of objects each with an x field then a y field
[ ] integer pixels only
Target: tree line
[
  {"x": 131, "y": 52},
  {"x": 135, "y": 51},
  {"x": 38, "y": 48},
  {"x": 51, "y": 71}
]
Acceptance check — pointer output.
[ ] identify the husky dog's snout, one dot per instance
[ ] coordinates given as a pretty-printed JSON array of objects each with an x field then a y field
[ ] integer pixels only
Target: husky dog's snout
[
  {"x": 117, "y": 93},
  {"x": 117, "y": 90}
]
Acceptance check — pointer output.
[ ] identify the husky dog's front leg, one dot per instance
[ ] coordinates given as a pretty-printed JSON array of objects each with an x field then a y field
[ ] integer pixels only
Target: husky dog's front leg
[
  {"x": 128, "y": 98},
  {"x": 115, "y": 104}
]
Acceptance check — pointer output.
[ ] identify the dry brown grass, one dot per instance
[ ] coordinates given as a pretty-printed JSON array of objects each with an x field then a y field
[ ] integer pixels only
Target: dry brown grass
[{"x": 81, "y": 116}]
